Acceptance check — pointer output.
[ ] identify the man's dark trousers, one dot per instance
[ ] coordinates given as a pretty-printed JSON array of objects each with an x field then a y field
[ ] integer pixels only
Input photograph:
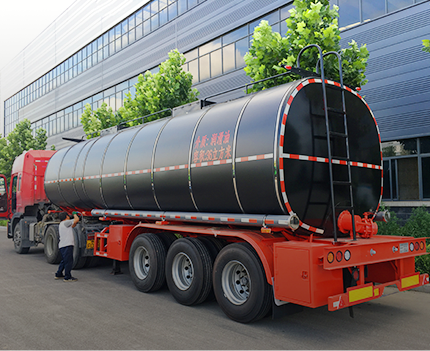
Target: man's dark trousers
[{"x": 67, "y": 262}]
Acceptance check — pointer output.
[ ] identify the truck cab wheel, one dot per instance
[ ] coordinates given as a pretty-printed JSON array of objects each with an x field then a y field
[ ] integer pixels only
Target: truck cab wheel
[
  {"x": 17, "y": 240},
  {"x": 52, "y": 252}
]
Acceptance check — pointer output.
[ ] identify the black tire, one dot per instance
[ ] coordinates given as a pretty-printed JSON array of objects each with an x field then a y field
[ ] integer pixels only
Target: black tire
[
  {"x": 168, "y": 238},
  {"x": 17, "y": 240},
  {"x": 240, "y": 284},
  {"x": 79, "y": 261},
  {"x": 52, "y": 252},
  {"x": 214, "y": 246},
  {"x": 147, "y": 262},
  {"x": 189, "y": 271}
]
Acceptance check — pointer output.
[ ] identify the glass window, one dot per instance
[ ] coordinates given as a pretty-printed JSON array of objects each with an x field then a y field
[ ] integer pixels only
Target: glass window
[
  {"x": 118, "y": 102},
  {"x": 154, "y": 7},
  {"x": 146, "y": 27},
  {"x": 112, "y": 35},
  {"x": 100, "y": 55},
  {"x": 121, "y": 86},
  {"x": 407, "y": 169},
  {"x": 106, "y": 39},
  {"x": 124, "y": 26},
  {"x": 99, "y": 43},
  {"x": 192, "y": 3},
  {"x": 372, "y": 8},
  {"x": 89, "y": 62},
  {"x": 182, "y": 6},
  {"x": 95, "y": 59},
  {"x": 139, "y": 17},
  {"x": 146, "y": 12},
  {"x": 211, "y": 46},
  {"x": 118, "y": 31},
  {"x": 193, "y": 68},
  {"x": 163, "y": 16},
  {"x": 425, "y": 145},
  {"x": 75, "y": 119},
  {"x": 131, "y": 22},
  {"x": 394, "y": 5},
  {"x": 173, "y": 11},
  {"x": 163, "y": 4},
  {"x": 425, "y": 166},
  {"x": 139, "y": 31},
  {"x": 241, "y": 50},
  {"x": 216, "y": 63},
  {"x": 191, "y": 55},
  {"x": 124, "y": 40},
  {"x": 117, "y": 45},
  {"x": 399, "y": 148},
  {"x": 106, "y": 52},
  {"x": 228, "y": 59},
  {"x": 154, "y": 22},
  {"x": 204, "y": 67},
  {"x": 349, "y": 12},
  {"x": 112, "y": 102},
  {"x": 131, "y": 36}
]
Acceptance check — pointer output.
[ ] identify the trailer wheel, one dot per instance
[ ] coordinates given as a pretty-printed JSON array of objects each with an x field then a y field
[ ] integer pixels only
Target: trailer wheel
[
  {"x": 240, "y": 284},
  {"x": 147, "y": 262},
  {"x": 189, "y": 271},
  {"x": 52, "y": 252},
  {"x": 17, "y": 240}
]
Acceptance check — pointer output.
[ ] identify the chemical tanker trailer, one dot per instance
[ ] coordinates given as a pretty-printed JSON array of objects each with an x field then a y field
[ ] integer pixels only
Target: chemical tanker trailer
[{"x": 258, "y": 199}]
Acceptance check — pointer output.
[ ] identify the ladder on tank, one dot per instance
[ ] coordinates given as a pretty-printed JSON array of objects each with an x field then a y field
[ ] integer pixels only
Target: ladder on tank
[{"x": 331, "y": 112}]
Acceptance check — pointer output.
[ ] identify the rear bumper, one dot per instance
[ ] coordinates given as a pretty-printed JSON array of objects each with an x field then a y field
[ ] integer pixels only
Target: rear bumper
[{"x": 367, "y": 292}]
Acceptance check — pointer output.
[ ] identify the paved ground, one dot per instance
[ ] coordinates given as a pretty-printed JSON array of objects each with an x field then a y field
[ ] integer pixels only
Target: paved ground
[{"x": 101, "y": 311}]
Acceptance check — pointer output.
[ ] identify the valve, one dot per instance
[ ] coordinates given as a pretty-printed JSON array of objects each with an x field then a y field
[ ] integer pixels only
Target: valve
[{"x": 365, "y": 227}]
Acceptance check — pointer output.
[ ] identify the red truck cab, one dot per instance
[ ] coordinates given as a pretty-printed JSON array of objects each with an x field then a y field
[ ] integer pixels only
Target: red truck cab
[{"x": 26, "y": 190}]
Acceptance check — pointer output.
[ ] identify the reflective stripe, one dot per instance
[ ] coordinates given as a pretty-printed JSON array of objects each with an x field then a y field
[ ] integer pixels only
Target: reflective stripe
[{"x": 360, "y": 294}]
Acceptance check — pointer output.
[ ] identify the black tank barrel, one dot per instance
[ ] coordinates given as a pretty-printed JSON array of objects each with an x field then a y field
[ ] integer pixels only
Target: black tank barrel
[{"x": 265, "y": 153}]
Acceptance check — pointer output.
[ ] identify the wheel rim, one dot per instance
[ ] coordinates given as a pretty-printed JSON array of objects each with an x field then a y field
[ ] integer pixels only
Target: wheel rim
[
  {"x": 236, "y": 282},
  {"x": 182, "y": 271},
  {"x": 141, "y": 263},
  {"x": 17, "y": 238}
]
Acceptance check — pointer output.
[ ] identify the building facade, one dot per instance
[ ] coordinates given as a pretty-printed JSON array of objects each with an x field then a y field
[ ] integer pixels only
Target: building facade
[{"x": 95, "y": 50}]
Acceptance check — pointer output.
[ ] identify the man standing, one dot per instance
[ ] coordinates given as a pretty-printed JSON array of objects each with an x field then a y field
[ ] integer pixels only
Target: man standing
[{"x": 66, "y": 245}]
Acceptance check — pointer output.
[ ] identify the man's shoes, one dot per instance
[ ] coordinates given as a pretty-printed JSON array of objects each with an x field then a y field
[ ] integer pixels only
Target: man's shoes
[
  {"x": 71, "y": 279},
  {"x": 58, "y": 276}
]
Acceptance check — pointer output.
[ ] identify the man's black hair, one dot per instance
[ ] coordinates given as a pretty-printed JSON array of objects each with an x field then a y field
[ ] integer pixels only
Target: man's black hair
[{"x": 62, "y": 216}]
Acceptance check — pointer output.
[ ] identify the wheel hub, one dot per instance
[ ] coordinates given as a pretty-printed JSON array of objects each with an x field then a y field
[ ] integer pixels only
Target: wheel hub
[
  {"x": 182, "y": 271},
  {"x": 236, "y": 282}
]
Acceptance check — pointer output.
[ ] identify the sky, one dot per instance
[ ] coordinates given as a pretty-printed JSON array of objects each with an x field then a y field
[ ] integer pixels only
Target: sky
[{"x": 21, "y": 21}]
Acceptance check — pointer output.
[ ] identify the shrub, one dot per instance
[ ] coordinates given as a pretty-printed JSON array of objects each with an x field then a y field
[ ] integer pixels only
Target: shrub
[{"x": 417, "y": 226}]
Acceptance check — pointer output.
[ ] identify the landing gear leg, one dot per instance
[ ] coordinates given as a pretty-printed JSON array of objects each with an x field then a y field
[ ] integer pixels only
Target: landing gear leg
[{"x": 116, "y": 268}]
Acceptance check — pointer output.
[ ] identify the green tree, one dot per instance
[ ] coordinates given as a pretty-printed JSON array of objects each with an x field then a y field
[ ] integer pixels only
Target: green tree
[
  {"x": 168, "y": 88},
  {"x": 310, "y": 22},
  {"x": 426, "y": 45},
  {"x": 102, "y": 118},
  {"x": 19, "y": 140}
]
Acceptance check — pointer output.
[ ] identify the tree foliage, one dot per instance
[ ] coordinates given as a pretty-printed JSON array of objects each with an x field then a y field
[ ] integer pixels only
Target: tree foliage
[
  {"x": 426, "y": 45},
  {"x": 102, "y": 118},
  {"x": 19, "y": 140},
  {"x": 310, "y": 22},
  {"x": 166, "y": 89}
]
